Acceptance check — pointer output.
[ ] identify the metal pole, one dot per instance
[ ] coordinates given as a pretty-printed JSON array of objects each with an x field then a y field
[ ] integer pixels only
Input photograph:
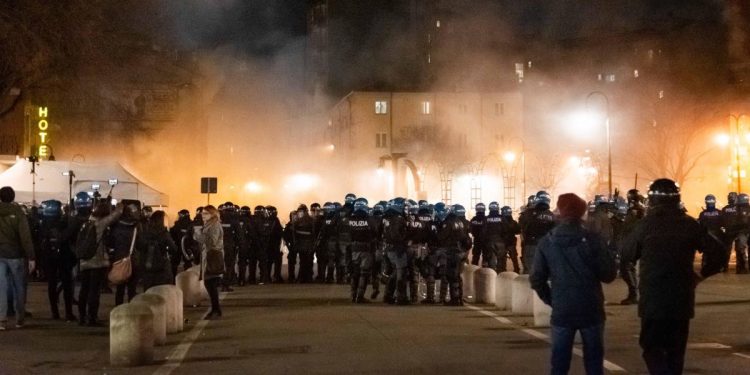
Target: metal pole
[
  {"x": 737, "y": 155},
  {"x": 609, "y": 157}
]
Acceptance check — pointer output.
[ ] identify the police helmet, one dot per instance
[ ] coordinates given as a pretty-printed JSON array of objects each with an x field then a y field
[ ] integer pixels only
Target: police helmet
[
  {"x": 329, "y": 208},
  {"x": 600, "y": 199},
  {"x": 542, "y": 197},
  {"x": 423, "y": 203},
  {"x": 272, "y": 212},
  {"x": 349, "y": 198},
  {"x": 634, "y": 195},
  {"x": 183, "y": 214},
  {"x": 494, "y": 206},
  {"x": 395, "y": 206},
  {"x": 458, "y": 210},
  {"x": 362, "y": 199},
  {"x": 260, "y": 211},
  {"x": 378, "y": 209},
  {"x": 440, "y": 211},
  {"x": 710, "y": 201},
  {"x": 506, "y": 211},
  {"x": 664, "y": 192},
  {"x": 83, "y": 200},
  {"x": 302, "y": 208},
  {"x": 732, "y": 198},
  {"x": 360, "y": 205},
  {"x": 51, "y": 209},
  {"x": 743, "y": 198},
  {"x": 530, "y": 200},
  {"x": 480, "y": 207},
  {"x": 337, "y": 206},
  {"x": 622, "y": 209}
]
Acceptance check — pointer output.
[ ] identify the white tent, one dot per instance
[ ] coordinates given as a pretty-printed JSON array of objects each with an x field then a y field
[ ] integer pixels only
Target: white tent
[{"x": 52, "y": 184}]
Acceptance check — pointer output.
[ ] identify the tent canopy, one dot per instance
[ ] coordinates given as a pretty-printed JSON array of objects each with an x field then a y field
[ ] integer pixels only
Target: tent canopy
[{"x": 52, "y": 184}]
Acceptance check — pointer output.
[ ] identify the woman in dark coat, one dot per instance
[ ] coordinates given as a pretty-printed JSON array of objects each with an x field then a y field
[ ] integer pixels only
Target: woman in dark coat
[{"x": 155, "y": 251}]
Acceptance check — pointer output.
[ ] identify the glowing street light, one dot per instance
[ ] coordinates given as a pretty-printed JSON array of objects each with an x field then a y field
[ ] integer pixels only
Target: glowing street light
[
  {"x": 253, "y": 187},
  {"x": 722, "y": 139},
  {"x": 509, "y": 157}
]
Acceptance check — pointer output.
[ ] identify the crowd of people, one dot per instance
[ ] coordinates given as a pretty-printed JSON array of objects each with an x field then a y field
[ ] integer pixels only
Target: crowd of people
[{"x": 403, "y": 245}]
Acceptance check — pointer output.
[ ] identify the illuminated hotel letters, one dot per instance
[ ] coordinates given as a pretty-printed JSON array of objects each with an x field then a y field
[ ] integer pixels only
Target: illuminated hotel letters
[{"x": 43, "y": 125}]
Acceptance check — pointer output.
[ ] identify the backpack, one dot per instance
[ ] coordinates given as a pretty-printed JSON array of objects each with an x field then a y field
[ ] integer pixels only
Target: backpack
[
  {"x": 87, "y": 242},
  {"x": 156, "y": 255}
]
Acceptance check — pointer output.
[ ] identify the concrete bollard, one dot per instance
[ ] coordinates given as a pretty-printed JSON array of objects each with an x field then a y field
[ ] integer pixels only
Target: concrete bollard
[
  {"x": 504, "y": 290},
  {"x": 174, "y": 308},
  {"x": 523, "y": 299},
  {"x": 467, "y": 276},
  {"x": 180, "y": 309},
  {"x": 542, "y": 312},
  {"x": 158, "y": 307},
  {"x": 484, "y": 285},
  {"x": 204, "y": 291},
  {"x": 190, "y": 285},
  {"x": 131, "y": 335}
]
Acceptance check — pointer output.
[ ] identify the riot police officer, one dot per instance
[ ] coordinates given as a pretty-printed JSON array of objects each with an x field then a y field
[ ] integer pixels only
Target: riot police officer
[
  {"x": 512, "y": 229},
  {"x": 394, "y": 237},
  {"x": 453, "y": 235},
  {"x": 58, "y": 257},
  {"x": 494, "y": 234},
  {"x": 343, "y": 233},
  {"x": 599, "y": 221},
  {"x": 182, "y": 235},
  {"x": 303, "y": 243},
  {"x": 320, "y": 251},
  {"x": 712, "y": 221},
  {"x": 635, "y": 212},
  {"x": 534, "y": 226},
  {"x": 477, "y": 232},
  {"x": 243, "y": 254},
  {"x": 738, "y": 227},
  {"x": 328, "y": 240},
  {"x": 234, "y": 240},
  {"x": 274, "y": 245},
  {"x": 361, "y": 250},
  {"x": 417, "y": 235},
  {"x": 435, "y": 266},
  {"x": 260, "y": 238},
  {"x": 376, "y": 224}
]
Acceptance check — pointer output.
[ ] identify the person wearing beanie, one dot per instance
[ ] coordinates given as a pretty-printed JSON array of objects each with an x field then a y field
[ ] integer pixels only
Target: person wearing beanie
[{"x": 575, "y": 262}]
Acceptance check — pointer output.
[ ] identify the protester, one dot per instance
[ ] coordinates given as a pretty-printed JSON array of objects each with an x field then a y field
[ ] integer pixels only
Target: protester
[
  {"x": 16, "y": 248},
  {"x": 155, "y": 251},
  {"x": 211, "y": 238},
  {"x": 576, "y": 262},
  {"x": 94, "y": 270},
  {"x": 123, "y": 235}
]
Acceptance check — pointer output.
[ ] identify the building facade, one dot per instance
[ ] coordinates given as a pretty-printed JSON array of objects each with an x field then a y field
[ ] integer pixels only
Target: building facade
[{"x": 428, "y": 145}]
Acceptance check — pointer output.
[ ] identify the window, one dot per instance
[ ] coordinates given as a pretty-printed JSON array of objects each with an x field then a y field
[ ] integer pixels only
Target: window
[
  {"x": 381, "y": 140},
  {"x": 381, "y": 107},
  {"x": 661, "y": 94},
  {"x": 426, "y": 110},
  {"x": 429, "y": 58},
  {"x": 610, "y": 77},
  {"x": 636, "y": 74},
  {"x": 499, "y": 109},
  {"x": 437, "y": 24}
]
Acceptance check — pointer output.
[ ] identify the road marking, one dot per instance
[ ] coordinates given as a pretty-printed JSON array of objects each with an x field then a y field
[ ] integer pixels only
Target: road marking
[
  {"x": 708, "y": 345},
  {"x": 610, "y": 366},
  {"x": 178, "y": 354},
  {"x": 742, "y": 355}
]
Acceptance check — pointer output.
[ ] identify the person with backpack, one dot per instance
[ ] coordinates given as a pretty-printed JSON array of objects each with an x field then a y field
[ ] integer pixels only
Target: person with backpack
[
  {"x": 16, "y": 247},
  {"x": 59, "y": 260},
  {"x": 92, "y": 252},
  {"x": 154, "y": 252},
  {"x": 121, "y": 244},
  {"x": 575, "y": 261}
]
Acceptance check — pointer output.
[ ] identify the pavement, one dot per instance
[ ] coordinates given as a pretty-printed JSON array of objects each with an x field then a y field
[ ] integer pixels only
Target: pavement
[{"x": 314, "y": 329}]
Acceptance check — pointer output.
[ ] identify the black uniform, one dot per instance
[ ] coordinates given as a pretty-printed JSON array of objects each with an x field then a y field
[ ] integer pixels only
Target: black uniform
[
  {"x": 627, "y": 269},
  {"x": 534, "y": 226},
  {"x": 376, "y": 225},
  {"x": 453, "y": 235},
  {"x": 328, "y": 239},
  {"x": 344, "y": 236},
  {"x": 260, "y": 230},
  {"x": 273, "y": 251},
  {"x": 234, "y": 240},
  {"x": 320, "y": 249},
  {"x": 418, "y": 234},
  {"x": 737, "y": 222},
  {"x": 665, "y": 242},
  {"x": 478, "y": 223},
  {"x": 244, "y": 252},
  {"x": 712, "y": 221},
  {"x": 361, "y": 252},
  {"x": 182, "y": 235},
  {"x": 304, "y": 244},
  {"x": 494, "y": 237},
  {"x": 58, "y": 263},
  {"x": 394, "y": 238},
  {"x": 512, "y": 229}
]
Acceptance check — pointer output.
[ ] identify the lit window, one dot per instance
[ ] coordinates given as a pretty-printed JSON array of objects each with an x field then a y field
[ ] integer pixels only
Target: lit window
[
  {"x": 610, "y": 77},
  {"x": 426, "y": 110},
  {"x": 636, "y": 73},
  {"x": 529, "y": 64},
  {"x": 429, "y": 58},
  {"x": 661, "y": 94},
  {"x": 381, "y": 140},
  {"x": 381, "y": 107},
  {"x": 599, "y": 77},
  {"x": 437, "y": 24}
]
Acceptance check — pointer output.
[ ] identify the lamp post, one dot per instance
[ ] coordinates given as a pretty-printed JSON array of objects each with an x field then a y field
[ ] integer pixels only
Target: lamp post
[
  {"x": 510, "y": 158},
  {"x": 737, "y": 149},
  {"x": 70, "y": 176},
  {"x": 609, "y": 138}
]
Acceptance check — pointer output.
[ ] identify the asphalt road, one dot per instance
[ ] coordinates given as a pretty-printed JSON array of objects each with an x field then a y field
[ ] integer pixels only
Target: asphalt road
[{"x": 313, "y": 329}]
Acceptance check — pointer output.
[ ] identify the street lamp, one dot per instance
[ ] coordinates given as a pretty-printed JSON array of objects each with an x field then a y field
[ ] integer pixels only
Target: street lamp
[
  {"x": 737, "y": 148},
  {"x": 609, "y": 138},
  {"x": 70, "y": 176}
]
